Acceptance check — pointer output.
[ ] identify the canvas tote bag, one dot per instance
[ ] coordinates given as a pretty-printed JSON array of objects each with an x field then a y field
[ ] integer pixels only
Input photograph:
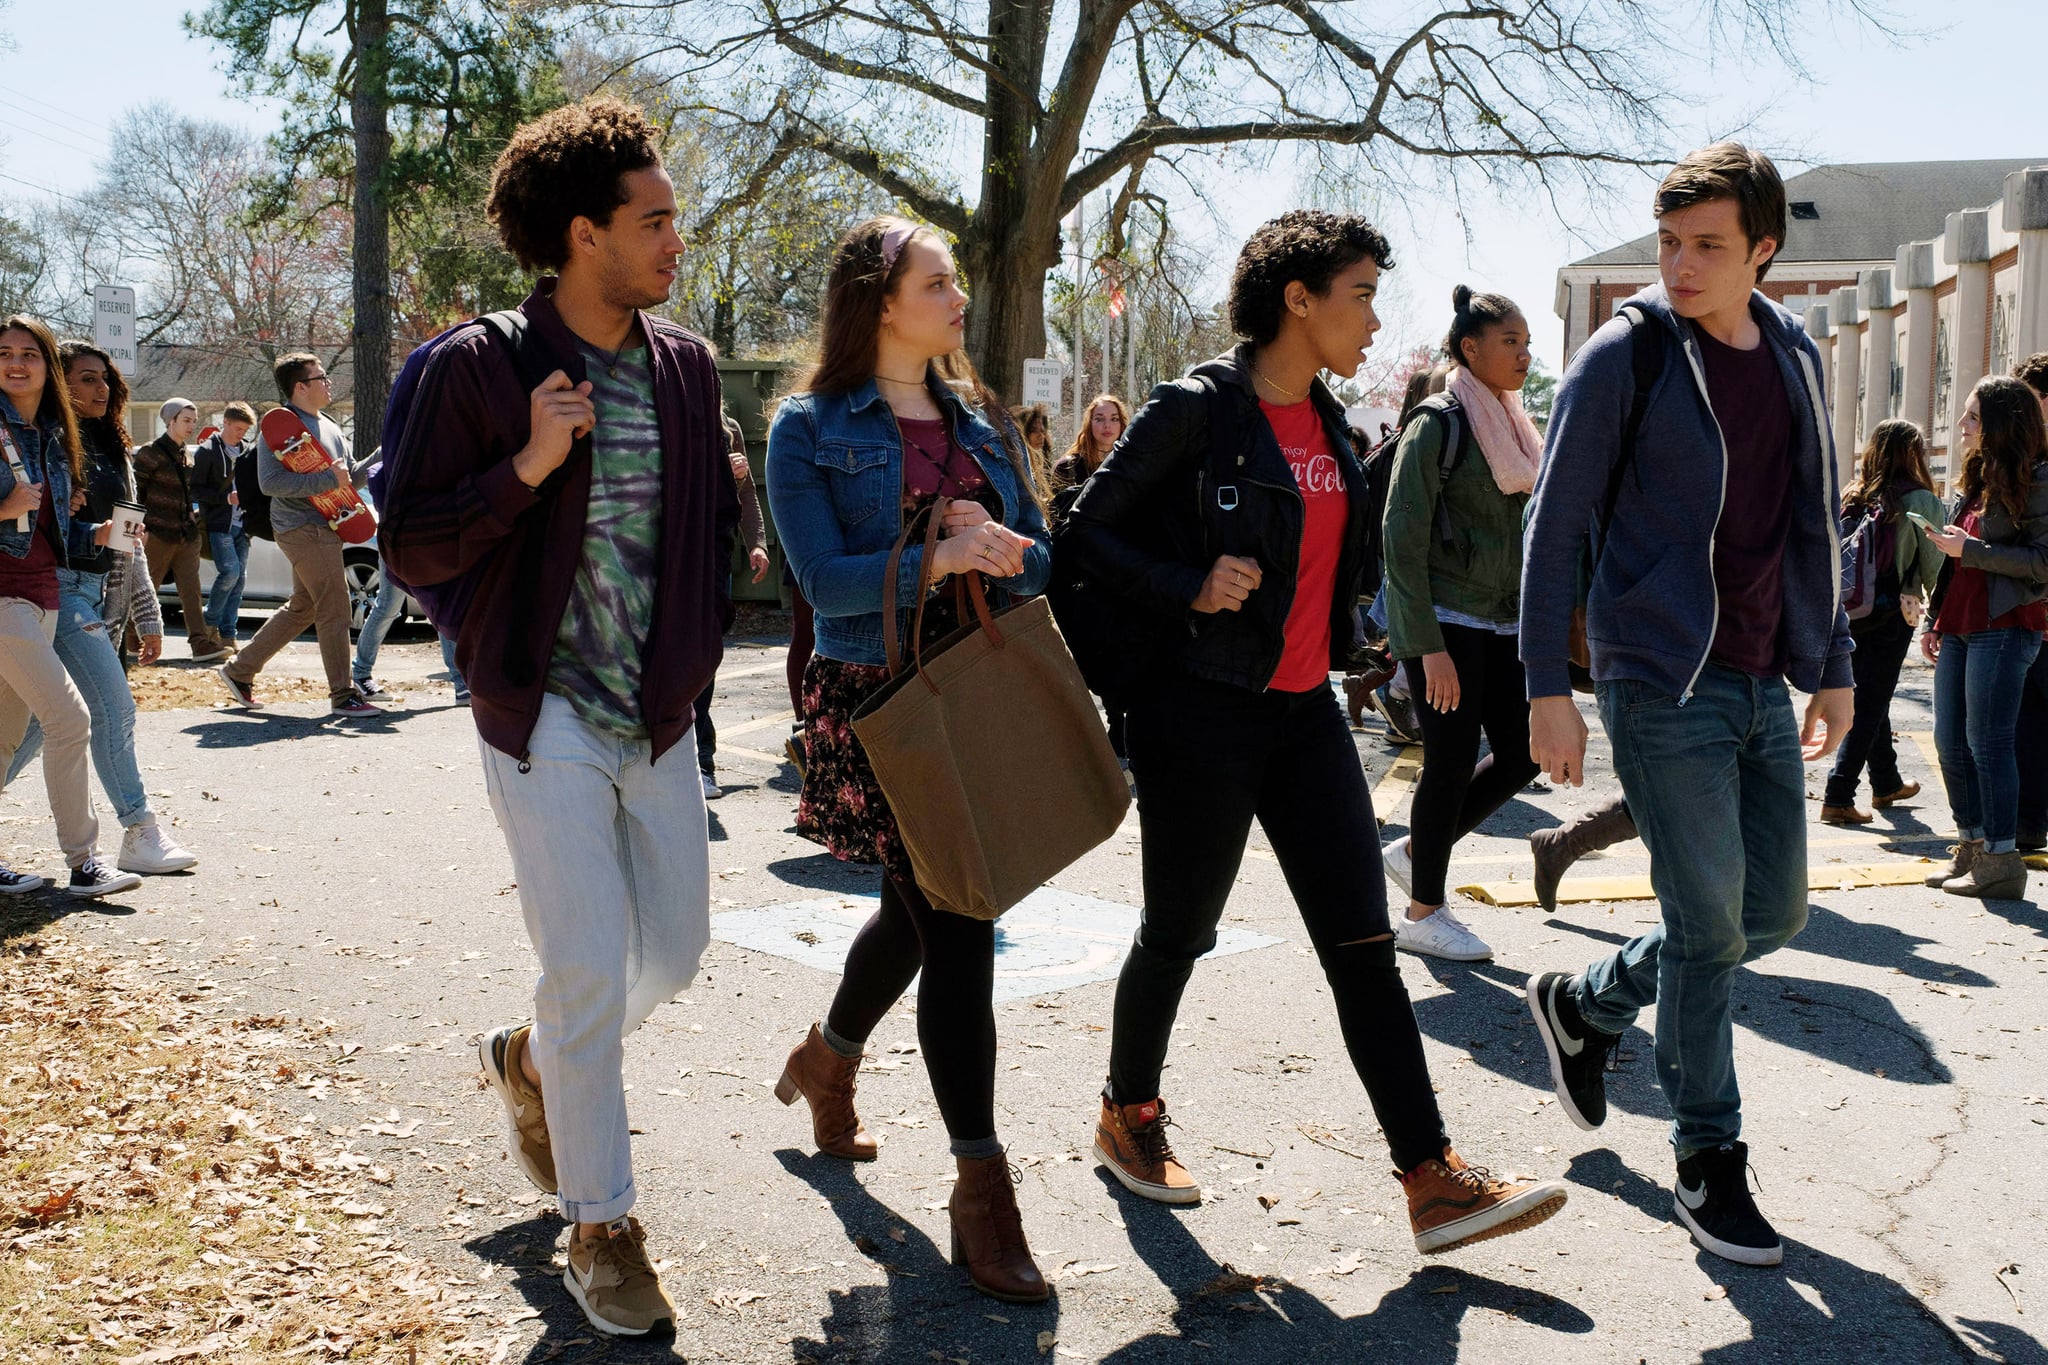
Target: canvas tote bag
[{"x": 988, "y": 747}]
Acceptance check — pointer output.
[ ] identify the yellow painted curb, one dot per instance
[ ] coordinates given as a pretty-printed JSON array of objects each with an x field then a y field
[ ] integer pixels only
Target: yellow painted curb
[
  {"x": 1395, "y": 787},
  {"x": 1580, "y": 890}
]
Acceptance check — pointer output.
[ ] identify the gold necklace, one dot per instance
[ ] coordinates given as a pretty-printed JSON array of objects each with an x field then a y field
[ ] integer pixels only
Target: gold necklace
[
  {"x": 907, "y": 383},
  {"x": 1289, "y": 394}
]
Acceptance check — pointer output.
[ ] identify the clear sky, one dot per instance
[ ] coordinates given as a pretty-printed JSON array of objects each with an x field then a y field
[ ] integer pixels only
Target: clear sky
[{"x": 1969, "y": 86}]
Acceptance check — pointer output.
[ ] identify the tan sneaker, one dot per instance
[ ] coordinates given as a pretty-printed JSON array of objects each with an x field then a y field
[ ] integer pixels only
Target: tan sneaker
[
  {"x": 1130, "y": 1139},
  {"x": 612, "y": 1281},
  {"x": 1451, "y": 1204},
  {"x": 526, "y": 1121}
]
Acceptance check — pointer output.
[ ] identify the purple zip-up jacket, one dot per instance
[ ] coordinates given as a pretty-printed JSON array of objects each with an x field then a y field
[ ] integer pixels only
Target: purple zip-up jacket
[{"x": 457, "y": 514}]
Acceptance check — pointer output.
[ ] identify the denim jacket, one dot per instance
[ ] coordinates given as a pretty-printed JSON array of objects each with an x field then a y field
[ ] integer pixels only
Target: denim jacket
[
  {"x": 835, "y": 485},
  {"x": 32, "y": 440}
]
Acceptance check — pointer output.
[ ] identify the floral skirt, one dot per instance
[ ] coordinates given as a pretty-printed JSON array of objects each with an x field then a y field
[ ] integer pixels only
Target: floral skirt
[{"x": 842, "y": 805}]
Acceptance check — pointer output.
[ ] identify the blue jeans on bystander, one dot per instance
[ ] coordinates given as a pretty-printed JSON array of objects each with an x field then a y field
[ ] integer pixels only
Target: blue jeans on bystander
[
  {"x": 1978, "y": 679},
  {"x": 230, "y": 576}
]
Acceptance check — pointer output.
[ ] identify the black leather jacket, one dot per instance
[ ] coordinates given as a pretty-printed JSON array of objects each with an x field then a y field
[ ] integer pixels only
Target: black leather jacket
[
  {"x": 2012, "y": 554},
  {"x": 1198, "y": 475}
]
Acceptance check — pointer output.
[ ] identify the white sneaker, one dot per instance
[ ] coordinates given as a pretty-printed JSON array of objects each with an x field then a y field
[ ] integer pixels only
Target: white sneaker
[
  {"x": 150, "y": 851},
  {"x": 1400, "y": 865},
  {"x": 712, "y": 790},
  {"x": 1440, "y": 934}
]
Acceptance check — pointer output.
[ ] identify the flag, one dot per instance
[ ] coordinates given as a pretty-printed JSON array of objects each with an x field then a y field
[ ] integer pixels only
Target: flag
[{"x": 1116, "y": 303}]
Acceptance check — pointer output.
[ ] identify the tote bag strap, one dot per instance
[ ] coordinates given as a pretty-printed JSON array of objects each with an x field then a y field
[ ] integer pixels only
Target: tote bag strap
[{"x": 968, "y": 595}]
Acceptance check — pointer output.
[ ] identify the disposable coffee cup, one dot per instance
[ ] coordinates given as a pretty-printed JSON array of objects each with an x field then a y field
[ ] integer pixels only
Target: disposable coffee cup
[{"x": 127, "y": 519}]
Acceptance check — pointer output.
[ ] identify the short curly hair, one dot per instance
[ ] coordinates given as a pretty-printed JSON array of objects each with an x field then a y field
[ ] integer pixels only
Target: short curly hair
[
  {"x": 2033, "y": 372},
  {"x": 1307, "y": 245},
  {"x": 569, "y": 163}
]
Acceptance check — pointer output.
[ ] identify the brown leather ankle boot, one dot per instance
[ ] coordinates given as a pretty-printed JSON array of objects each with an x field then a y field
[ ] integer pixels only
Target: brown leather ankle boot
[
  {"x": 826, "y": 1080},
  {"x": 1557, "y": 849},
  {"x": 988, "y": 1232}
]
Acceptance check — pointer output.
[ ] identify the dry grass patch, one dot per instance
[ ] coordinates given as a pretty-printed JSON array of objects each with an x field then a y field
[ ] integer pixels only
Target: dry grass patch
[{"x": 156, "y": 1208}]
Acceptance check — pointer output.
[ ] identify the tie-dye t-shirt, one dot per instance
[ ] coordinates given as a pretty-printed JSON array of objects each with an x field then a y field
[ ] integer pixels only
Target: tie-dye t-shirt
[{"x": 596, "y": 663}]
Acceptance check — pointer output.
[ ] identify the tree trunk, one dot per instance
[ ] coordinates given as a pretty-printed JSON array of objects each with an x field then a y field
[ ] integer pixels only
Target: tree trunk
[
  {"x": 1013, "y": 238},
  {"x": 369, "y": 109}
]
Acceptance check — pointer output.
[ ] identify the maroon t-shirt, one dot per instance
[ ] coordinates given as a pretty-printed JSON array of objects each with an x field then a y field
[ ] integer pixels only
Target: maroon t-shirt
[
  {"x": 1749, "y": 401},
  {"x": 33, "y": 578}
]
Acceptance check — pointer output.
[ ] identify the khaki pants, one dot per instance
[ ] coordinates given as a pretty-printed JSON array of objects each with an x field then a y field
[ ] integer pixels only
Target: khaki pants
[
  {"x": 180, "y": 560},
  {"x": 319, "y": 599},
  {"x": 33, "y": 683}
]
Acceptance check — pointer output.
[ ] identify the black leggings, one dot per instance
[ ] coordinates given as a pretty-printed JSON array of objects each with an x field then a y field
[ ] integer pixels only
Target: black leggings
[
  {"x": 1210, "y": 759},
  {"x": 956, "y": 1020},
  {"x": 1881, "y": 645},
  {"x": 1458, "y": 789},
  {"x": 802, "y": 640}
]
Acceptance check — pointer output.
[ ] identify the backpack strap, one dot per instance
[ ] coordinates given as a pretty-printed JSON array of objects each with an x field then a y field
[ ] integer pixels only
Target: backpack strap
[
  {"x": 1450, "y": 415},
  {"x": 1646, "y": 362}
]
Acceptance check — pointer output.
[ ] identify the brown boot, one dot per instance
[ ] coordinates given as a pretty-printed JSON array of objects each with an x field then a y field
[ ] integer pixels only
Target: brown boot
[
  {"x": 1358, "y": 690},
  {"x": 988, "y": 1232},
  {"x": 1451, "y": 1204},
  {"x": 1992, "y": 877},
  {"x": 1844, "y": 815},
  {"x": 826, "y": 1079},
  {"x": 1961, "y": 857},
  {"x": 1557, "y": 849},
  {"x": 1903, "y": 794}
]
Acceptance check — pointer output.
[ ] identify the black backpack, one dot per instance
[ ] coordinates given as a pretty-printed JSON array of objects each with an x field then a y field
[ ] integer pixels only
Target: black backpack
[{"x": 254, "y": 501}]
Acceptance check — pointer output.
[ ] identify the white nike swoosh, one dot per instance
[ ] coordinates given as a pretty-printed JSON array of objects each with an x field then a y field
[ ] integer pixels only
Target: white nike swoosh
[
  {"x": 1693, "y": 1199},
  {"x": 1568, "y": 1045}
]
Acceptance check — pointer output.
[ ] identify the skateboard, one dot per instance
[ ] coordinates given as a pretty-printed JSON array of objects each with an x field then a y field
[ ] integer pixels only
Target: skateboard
[{"x": 298, "y": 450}]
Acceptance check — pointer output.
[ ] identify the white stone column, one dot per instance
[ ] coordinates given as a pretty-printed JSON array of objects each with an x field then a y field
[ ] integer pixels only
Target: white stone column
[
  {"x": 2026, "y": 213},
  {"x": 1847, "y": 404},
  {"x": 1880, "y": 341},
  {"x": 1913, "y": 276},
  {"x": 1968, "y": 248},
  {"x": 1823, "y": 337}
]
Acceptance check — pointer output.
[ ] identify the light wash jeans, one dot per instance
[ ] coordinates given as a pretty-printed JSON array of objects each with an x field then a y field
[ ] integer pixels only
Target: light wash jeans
[
  {"x": 377, "y": 624},
  {"x": 454, "y": 674},
  {"x": 613, "y": 861},
  {"x": 1979, "y": 681},
  {"x": 95, "y": 668},
  {"x": 230, "y": 576},
  {"x": 1717, "y": 789}
]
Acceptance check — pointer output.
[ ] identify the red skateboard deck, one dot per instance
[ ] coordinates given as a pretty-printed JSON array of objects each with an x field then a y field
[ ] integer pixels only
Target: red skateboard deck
[{"x": 298, "y": 450}]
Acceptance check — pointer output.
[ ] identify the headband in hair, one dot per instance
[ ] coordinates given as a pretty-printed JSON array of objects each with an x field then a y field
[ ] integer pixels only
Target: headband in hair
[{"x": 892, "y": 244}]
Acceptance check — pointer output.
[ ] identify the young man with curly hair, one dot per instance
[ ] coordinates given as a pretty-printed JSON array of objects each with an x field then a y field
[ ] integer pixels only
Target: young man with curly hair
[
  {"x": 1233, "y": 514},
  {"x": 580, "y": 528}
]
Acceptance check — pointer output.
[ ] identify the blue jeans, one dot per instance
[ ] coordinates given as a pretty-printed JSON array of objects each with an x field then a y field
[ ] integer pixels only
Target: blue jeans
[
  {"x": 1716, "y": 787},
  {"x": 95, "y": 669},
  {"x": 230, "y": 576},
  {"x": 377, "y": 623},
  {"x": 1978, "y": 680},
  {"x": 454, "y": 673}
]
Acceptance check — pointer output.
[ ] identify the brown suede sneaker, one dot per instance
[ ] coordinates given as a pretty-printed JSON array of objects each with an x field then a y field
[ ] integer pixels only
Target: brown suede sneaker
[
  {"x": 612, "y": 1281},
  {"x": 1130, "y": 1139},
  {"x": 526, "y": 1121},
  {"x": 1451, "y": 1204}
]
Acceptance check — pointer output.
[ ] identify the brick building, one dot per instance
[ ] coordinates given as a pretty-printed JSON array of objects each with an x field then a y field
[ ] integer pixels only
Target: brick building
[{"x": 1917, "y": 278}]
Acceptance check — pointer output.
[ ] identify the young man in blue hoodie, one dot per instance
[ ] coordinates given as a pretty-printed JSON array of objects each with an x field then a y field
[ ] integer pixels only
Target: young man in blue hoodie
[{"x": 1715, "y": 578}]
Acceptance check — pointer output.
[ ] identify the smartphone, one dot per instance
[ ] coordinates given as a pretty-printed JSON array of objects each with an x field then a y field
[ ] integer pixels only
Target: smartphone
[{"x": 1923, "y": 522}]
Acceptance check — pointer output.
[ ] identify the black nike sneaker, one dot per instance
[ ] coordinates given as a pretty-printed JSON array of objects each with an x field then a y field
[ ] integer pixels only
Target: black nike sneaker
[
  {"x": 1580, "y": 1055},
  {"x": 1712, "y": 1199}
]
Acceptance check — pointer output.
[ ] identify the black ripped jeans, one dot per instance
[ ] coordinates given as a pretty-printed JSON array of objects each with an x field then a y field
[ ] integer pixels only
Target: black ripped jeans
[{"x": 1209, "y": 759}]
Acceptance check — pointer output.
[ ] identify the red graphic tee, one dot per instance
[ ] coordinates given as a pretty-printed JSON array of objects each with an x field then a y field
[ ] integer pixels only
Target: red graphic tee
[{"x": 1305, "y": 662}]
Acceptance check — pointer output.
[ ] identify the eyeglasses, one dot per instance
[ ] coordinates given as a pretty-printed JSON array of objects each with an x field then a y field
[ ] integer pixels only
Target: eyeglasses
[{"x": 316, "y": 379}]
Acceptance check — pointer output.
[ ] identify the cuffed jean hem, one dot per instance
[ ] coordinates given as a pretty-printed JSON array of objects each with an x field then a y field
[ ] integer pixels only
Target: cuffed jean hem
[{"x": 618, "y": 1206}]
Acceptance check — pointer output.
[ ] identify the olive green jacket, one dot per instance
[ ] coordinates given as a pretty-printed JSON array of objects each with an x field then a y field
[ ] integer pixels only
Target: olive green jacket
[{"x": 1479, "y": 574}]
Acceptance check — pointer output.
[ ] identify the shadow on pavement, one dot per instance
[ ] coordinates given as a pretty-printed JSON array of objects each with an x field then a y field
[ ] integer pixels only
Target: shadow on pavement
[
  {"x": 915, "y": 1308},
  {"x": 827, "y": 873},
  {"x": 246, "y": 729},
  {"x": 1814, "y": 1306},
  {"x": 1246, "y": 1319},
  {"x": 21, "y": 916},
  {"x": 1877, "y": 945}
]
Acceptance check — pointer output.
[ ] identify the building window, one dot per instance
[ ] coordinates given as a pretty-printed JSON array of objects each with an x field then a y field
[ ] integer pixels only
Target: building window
[
  {"x": 2003, "y": 309},
  {"x": 1944, "y": 380},
  {"x": 1898, "y": 393}
]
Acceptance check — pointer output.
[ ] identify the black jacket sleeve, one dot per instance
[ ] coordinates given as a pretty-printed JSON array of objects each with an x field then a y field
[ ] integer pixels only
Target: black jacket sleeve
[{"x": 212, "y": 475}]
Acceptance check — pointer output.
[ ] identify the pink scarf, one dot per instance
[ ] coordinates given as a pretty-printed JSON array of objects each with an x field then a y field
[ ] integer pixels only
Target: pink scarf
[{"x": 1507, "y": 438}]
